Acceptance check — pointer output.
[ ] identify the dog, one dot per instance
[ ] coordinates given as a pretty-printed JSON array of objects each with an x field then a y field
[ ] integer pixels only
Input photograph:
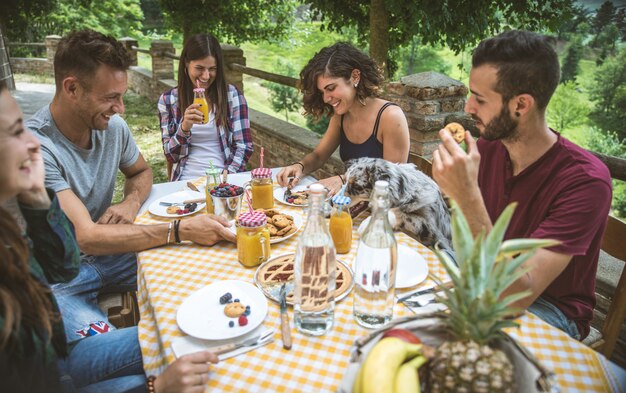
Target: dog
[{"x": 416, "y": 201}]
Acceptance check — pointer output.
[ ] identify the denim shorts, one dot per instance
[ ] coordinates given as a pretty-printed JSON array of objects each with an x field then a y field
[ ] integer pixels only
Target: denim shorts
[{"x": 555, "y": 317}]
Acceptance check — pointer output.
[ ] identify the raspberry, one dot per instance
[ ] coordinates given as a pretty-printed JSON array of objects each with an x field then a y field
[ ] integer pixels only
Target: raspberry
[
  {"x": 179, "y": 211},
  {"x": 186, "y": 211},
  {"x": 243, "y": 321},
  {"x": 290, "y": 200}
]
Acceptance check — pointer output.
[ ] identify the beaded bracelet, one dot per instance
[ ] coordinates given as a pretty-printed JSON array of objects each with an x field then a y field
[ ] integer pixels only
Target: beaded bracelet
[
  {"x": 176, "y": 234},
  {"x": 150, "y": 384}
]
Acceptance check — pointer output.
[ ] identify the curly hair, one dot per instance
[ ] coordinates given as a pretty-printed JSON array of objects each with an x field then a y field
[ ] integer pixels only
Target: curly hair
[
  {"x": 80, "y": 54},
  {"x": 198, "y": 47},
  {"x": 338, "y": 61},
  {"x": 526, "y": 62}
]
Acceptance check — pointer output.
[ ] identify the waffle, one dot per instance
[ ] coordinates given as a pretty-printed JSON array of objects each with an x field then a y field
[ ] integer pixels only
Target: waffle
[{"x": 280, "y": 270}]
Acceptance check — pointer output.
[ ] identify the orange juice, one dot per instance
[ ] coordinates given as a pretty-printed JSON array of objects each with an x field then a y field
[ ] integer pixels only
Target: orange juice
[
  {"x": 199, "y": 98},
  {"x": 340, "y": 228},
  {"x": 209, "y": 200},
  {"x": 262, "y": 193},
  {"x": 253, "y": 245}
]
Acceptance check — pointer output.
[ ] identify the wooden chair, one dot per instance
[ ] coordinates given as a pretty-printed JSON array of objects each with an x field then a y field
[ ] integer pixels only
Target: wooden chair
[
  {"x": 613, "y": 244},
  {"x": 422, "y": 164},
  {"x": 122, "y": 308}
]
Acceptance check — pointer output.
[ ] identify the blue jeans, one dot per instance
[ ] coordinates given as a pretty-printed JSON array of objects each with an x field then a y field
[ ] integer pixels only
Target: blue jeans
[
  {"x": 104, "y": 363},
  {"x": 77, "y": 299},
  {"x": 553, "y": 316}
]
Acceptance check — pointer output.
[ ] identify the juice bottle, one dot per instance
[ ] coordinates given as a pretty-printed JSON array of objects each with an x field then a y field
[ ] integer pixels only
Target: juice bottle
[
  {"x": 340, "y": 225},
  {"x": 253, "y": 239},
  {"x": 212, "y": 179},
  {"x": 199, "y": 98},
  {"x": 262, "y": 188}
]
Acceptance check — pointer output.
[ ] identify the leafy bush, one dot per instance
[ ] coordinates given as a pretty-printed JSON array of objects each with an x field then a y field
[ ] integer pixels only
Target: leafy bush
[{"x": 609, "y": 143}]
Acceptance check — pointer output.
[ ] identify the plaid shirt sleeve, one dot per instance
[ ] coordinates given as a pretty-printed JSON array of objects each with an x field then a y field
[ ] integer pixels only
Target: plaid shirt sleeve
[
  {"x": 240, "y": 128},
  {"x": 175, "y": 144}
]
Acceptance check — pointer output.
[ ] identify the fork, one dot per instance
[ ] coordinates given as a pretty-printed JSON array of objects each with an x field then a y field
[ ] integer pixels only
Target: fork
[{"x": 249, "y": 342}]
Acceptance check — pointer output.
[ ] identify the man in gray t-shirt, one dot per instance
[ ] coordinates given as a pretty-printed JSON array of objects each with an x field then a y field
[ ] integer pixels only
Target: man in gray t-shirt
[{"x": 84, "y": 144}]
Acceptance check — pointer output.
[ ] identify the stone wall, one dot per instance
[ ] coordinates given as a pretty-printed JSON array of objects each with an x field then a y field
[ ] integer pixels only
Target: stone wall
[
  {"x": 430, "y": 100},
  {"x": 285, "y": 143},
  {"x": 28, "y": 65}
]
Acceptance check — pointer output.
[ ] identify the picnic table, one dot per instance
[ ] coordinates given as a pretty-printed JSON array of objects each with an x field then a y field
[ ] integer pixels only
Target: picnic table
[{"x": 168, "y": 275}]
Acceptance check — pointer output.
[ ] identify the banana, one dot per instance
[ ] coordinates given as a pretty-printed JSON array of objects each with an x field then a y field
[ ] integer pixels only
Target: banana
[
  {"x": 407, "y": 379},
  {"x": 358, "y": 381},
  {"x": 383, "y": 362}
]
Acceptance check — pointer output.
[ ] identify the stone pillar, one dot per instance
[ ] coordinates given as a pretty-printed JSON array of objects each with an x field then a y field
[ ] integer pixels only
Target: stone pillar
[
  {"x": 52, "y": 42},
  {"x": 232, "y": 54},
  {"x": 429, "y": 100},
  {"x": 128, "y": 44},
  {"x": 162, "y": 67}
]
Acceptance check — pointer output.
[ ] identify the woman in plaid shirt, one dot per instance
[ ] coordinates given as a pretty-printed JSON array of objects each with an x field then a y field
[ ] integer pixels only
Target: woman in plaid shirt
[{"x": 189, "y": 140}]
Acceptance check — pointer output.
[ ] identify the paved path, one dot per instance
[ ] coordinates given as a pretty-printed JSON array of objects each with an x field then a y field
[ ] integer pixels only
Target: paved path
[{"x": 32, "y": 96}]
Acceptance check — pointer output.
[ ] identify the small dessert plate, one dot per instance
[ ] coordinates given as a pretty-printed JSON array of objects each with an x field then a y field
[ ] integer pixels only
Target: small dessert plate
[
  {"x": 179, "y": 197},
  {"x": 202, "y": 316}
]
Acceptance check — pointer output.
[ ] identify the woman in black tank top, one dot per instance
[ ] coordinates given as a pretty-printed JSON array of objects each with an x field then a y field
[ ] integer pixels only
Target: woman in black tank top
[{"x": 343, "y": 83}]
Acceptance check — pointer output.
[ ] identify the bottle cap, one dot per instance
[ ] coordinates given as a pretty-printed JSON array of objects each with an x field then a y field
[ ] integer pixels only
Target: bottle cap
[
  {"x": 261, "y": 173},
  {"x": 316, "y": 188},
  {"x": 198, "y": 90},
  {"x": 252, "y": 219},
  {"x": 341, "y": 200}
]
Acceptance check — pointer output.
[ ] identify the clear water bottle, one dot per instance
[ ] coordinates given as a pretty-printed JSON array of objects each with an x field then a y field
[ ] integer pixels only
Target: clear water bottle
[
  {"x": 376, "y": 263},
  {"x": 315, "y": 270}
]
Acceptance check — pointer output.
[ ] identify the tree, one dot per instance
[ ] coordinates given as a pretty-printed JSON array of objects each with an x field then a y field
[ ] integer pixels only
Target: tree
[
  {"x": 567, "y": 108},
  {"x": 389, "y": 24},
  {"x": 284, "y": 98},
  {"x": 570, "y": 67},
  {"x": 620, "y": 22},
  {"x": 609, "y": 94},
  {"x": 604, "y": 16},
  {"x": 235, "y": 20}
]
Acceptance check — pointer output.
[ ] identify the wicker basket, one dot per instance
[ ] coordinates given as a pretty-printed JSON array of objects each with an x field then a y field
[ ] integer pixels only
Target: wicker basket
[{"x": 430, "y": 329}]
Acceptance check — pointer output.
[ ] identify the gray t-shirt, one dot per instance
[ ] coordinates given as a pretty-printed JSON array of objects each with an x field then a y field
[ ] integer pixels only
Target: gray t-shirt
[{"x": 90, "y": 173}]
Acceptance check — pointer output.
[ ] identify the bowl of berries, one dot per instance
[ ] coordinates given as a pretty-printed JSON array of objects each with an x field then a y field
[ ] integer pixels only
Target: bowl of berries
[{"x": 226, "y": 200}]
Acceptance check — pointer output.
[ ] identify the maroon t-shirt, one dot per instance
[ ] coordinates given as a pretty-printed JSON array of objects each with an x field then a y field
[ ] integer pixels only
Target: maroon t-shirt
[{"x": 564, "y": 195}]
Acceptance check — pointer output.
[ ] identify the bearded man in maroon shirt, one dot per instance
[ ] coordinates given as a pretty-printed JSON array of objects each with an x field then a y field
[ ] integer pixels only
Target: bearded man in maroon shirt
[{"x": 563, "y": 191}]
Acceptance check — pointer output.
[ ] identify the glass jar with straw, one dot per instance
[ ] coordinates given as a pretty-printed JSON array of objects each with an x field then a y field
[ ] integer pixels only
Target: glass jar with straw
[
  {"x": 253, "y": 237},
  {"x": 212, "y": 180},
  {"x": 262, "y": 186},
  {"x": 340, "y": 225}
]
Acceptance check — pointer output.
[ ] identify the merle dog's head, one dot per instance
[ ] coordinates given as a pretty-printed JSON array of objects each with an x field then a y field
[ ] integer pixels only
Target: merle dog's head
[{"x": 362, "y": 173}]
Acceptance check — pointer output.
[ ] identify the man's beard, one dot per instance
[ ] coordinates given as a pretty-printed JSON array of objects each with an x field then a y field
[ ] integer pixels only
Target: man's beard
[{"x": 500, "y": 127}]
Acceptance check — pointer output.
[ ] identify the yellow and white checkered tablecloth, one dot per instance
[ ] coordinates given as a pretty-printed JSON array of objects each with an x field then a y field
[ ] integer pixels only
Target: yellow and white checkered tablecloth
[{"x": 168, "y": 275}]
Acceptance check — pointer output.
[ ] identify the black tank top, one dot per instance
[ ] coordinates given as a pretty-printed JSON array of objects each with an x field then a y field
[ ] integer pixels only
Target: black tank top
[{"x": 370, "y": 148}]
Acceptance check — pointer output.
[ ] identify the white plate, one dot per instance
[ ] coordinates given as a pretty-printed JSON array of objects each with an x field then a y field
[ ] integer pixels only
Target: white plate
[
  {"x": 202, "y": 316},
  {"x": 279, "y": 193},
  {"x": 297, "y": 220},
  {"x": 412, "y": 268},
  {"x": 179, "y": 196}
]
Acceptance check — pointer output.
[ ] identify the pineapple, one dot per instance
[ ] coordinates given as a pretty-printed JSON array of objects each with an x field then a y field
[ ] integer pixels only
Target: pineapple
[{"x": 476, "y": 312}]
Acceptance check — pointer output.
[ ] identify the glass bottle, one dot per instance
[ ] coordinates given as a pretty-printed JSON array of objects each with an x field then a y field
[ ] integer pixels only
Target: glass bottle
[
  {"x": 375, "y": 264},
  {"x": 199, "y": 98},
  {"x": 315, "y": 270}
]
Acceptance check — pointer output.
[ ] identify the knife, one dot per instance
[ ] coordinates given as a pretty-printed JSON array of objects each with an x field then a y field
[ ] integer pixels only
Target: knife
[
  {"x": 197, "y": 200},
  {"x": 285, "y": 329}
]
